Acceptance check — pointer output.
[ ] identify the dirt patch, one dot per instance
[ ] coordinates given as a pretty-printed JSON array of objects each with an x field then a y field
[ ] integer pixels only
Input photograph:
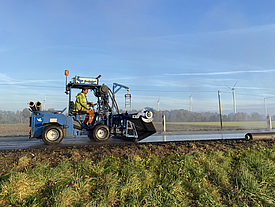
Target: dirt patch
[{"x": 21, "y": 158}]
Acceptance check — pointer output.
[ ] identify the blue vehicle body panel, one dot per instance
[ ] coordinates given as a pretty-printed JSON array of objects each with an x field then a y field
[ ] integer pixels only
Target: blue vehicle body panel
[
  {"x": 41, "y": 119},
  {"x": 36, "y": 125},
  {"x": 69, "y": 131}
]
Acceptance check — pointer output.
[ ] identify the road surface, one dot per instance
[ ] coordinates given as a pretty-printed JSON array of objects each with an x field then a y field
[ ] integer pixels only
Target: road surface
[{"x": 9, "y": 143}]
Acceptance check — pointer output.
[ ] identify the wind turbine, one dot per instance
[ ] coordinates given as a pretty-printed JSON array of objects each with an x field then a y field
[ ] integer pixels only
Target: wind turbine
[
  {"x": 191, "y": 103},
  {"x": 265, "y": 106},
  {"x": 233, "y": 93},
  {"x": 44, "y": 106},
  {"x": 158, "y": 104}
]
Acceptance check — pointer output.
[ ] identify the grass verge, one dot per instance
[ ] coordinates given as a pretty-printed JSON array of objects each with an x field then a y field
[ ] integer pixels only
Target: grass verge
[{"x": 234, "y": 177}]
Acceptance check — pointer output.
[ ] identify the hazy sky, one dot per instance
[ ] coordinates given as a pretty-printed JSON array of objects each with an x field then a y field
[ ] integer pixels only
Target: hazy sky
[{"x": 167, "y": 50}]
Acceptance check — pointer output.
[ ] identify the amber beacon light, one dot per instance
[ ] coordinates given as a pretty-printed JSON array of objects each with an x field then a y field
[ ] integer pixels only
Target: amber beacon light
[{"x": 66, "y": 72}]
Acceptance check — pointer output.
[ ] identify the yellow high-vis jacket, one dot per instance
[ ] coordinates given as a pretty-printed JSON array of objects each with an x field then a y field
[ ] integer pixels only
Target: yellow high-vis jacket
[{"x": 81, "y": 103}]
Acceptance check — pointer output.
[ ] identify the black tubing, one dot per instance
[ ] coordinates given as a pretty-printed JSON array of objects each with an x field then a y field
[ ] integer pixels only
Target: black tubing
[
  {"x": 32, "y": 106},
  {"x": 38, "y": 106}
]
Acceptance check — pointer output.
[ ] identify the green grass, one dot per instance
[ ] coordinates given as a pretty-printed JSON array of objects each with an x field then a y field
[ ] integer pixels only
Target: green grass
[{"x": 216, "y": 178}]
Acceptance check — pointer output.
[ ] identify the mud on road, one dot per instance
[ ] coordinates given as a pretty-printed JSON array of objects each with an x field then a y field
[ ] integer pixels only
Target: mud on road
[{"x": 18, "y": 159}]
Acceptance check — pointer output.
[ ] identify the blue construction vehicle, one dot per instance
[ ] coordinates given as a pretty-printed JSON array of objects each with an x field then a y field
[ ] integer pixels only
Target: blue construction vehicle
[{"x": 53, "y": 126}]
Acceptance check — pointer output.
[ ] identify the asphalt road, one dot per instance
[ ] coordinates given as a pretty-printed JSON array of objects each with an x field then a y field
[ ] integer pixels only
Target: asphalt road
[{"x": 9, "y": 143}]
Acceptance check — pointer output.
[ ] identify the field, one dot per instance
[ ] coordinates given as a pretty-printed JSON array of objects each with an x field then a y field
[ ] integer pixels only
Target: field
[
  {"x": 210, "y": 126},
  {"x": 204, "y": 173},
  {"x": 14, "y": 130},
  {"x": 195, "y": 173},
  {"x": 23, "y": 129}
]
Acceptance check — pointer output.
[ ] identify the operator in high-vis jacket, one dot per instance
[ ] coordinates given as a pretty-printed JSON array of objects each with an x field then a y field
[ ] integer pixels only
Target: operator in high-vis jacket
[{"x": 82, "y": 105}]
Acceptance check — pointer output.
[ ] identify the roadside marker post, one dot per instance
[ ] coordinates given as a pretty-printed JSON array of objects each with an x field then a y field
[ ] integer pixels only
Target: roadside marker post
[
  {"x": 269, "y": 123},
  {"x": 220, "y": 107},
  {"x": 163, "y": 123}
]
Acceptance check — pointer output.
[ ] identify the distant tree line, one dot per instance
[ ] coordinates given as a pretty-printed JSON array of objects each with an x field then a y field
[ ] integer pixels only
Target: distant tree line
[
  {"x": 16, "y": 117},
  {"x": 177, "y": 115}
]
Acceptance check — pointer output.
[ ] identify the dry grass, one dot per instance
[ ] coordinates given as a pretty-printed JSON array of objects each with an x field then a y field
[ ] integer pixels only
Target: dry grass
[
  {"x": 23, "y": 129},
  {"x": 210, "y": 126},
  {"x": 14, "y": 130}
]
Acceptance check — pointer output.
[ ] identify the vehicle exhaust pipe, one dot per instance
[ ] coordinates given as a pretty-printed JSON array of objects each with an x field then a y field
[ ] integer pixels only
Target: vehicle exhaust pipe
[
  {"x": 260, "y": 136},
  {"x": 38, "y": 106},
  {"x": 32, "y": 106}
]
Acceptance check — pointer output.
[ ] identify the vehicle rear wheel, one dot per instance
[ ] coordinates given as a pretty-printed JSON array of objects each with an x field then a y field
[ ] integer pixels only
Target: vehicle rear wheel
[
  {"x": 101, "y": 133},
  {"x": 52, "y": 134}
]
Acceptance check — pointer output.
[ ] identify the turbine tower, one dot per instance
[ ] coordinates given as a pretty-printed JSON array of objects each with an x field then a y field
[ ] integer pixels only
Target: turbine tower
[
  {"x": 44, "y": 106},
  {"x": 265, "y": 106},
  {"x": 234, "y": 100},
  {"x": 191, "y": 103},
  {"x": 158, "y": 104}
]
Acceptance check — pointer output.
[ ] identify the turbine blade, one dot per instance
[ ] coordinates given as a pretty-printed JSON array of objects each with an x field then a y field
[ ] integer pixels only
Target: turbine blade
[{"x": 235, "y": 84}]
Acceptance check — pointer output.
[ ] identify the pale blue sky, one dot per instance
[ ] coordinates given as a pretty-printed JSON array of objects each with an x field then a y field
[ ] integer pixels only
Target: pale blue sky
[{"x": 160, "y": 49}]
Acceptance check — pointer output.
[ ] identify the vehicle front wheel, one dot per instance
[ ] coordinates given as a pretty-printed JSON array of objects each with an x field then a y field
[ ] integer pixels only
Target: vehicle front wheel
[
  {"x": 52, "y": 134},
  {"x": 101, "y": 133}
]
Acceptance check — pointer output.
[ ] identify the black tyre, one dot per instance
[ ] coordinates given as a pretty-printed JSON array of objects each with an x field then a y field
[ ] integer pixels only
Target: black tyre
[
  {"x": 52, "y": 134},
  {"x": 101, "y": 133}
]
